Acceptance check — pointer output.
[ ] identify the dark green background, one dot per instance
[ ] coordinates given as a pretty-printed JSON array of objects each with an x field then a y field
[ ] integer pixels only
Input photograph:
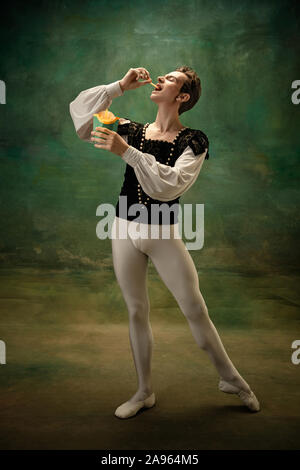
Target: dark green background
[
  {"x": 246, "y": 54},
  {"x": 63, "y": 318}
]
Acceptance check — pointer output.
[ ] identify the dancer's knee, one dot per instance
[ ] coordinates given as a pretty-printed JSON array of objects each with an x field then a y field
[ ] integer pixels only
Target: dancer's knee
[
  {"x": 138, "y": 310},
  {"x": 195, "y": 310}
]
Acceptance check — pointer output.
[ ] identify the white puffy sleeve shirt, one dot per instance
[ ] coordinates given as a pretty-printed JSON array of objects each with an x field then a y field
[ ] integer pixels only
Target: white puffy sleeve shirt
[{"x": 159, "y": 181}]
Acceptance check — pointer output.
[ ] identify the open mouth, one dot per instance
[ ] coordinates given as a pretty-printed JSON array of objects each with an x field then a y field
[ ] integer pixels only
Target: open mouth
[{"x": 158, "y": 87}]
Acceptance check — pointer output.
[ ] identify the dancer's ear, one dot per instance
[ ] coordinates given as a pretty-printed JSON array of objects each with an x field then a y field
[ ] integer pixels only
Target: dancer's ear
[{"x": 183, "y": 97}]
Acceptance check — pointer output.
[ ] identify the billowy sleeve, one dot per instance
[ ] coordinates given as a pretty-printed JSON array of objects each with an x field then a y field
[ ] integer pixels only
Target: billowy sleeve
[
  {"x": 89, "y": 102},
  {"x": 164, "y": 182}
]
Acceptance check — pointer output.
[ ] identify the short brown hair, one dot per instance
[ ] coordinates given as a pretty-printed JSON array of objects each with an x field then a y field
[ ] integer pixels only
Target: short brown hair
[{"x": 192, "y": 86}]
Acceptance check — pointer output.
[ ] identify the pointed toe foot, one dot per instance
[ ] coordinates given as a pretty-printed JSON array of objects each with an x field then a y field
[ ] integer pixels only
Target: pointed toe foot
[{"x": 250, "y": 400}]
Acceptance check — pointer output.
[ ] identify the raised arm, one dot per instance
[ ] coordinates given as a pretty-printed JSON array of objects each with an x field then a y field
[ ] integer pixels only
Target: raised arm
[
  {"x": 164, "y": 182},
  {"x": 96, "y": 99},
  {"x": 89, "y": 102}
]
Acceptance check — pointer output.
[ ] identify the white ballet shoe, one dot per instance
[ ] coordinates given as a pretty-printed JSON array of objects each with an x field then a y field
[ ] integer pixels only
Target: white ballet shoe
[
  {"x": 128, "y": 409},
  {"x": 248, "y": 398}
]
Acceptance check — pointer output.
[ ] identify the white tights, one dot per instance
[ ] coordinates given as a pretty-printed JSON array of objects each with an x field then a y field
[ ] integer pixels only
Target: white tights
[{"x": 176, "y": 268}]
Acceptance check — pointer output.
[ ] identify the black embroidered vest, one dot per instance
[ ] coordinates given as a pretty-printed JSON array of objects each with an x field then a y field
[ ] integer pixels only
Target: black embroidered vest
[{"x": 196, "y": 139}]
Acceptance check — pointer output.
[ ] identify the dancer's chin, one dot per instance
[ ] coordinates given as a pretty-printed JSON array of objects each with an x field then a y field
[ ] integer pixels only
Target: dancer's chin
[{"x": 153, "y": 96}]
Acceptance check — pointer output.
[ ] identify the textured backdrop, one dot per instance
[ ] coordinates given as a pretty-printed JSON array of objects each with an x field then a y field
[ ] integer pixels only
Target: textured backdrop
[
  {"x": 246, "y": 54},
  {"x": 63, "y": 318}
]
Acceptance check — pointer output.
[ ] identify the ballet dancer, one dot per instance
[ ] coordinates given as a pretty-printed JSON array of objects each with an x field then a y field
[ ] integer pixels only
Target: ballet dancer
[{"x": 163, "y": 160}]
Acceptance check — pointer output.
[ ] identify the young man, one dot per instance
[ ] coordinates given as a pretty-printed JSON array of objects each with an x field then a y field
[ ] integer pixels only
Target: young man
[{"x": 163, "y": 160}]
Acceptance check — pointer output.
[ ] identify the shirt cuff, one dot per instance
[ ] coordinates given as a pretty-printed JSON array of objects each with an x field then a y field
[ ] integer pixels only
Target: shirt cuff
[
  {"x": 114, "y": 89},
  {"x": 131, "y": 156}
]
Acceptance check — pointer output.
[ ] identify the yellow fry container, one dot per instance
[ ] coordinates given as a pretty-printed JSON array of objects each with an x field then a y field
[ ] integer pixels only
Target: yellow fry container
[{"x": 105, "y": 119}]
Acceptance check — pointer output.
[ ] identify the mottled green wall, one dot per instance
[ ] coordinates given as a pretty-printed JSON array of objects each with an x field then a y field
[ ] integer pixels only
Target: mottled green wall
[{"x": 246, "y": 54}]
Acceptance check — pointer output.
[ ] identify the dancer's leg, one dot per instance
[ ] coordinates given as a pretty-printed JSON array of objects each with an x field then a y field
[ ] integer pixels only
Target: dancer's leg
[
  {"x": 176, "y": 268},
  {"x": 130, "y": 266}
]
